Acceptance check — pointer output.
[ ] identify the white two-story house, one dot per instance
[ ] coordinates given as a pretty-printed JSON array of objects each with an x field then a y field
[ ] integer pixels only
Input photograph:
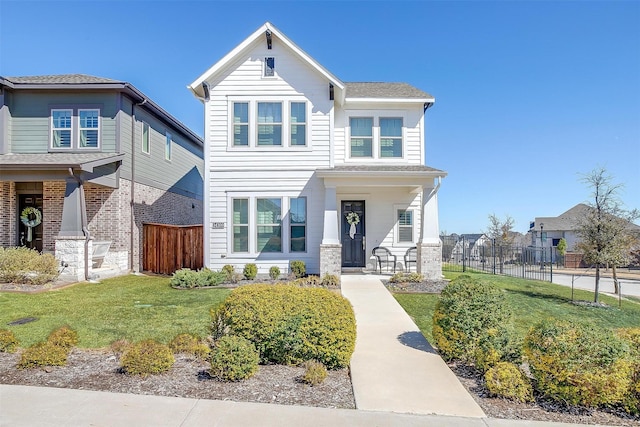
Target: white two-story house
[{"x": 300, "y": 165}]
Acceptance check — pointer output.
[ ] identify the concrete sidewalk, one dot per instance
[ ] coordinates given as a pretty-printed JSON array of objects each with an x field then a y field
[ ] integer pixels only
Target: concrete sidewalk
[
  {"x": 25, "y": 406},
  {"x": 393, "y": 367}
]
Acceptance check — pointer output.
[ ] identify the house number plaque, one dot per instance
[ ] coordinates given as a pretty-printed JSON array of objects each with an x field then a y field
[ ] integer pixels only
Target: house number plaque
[{"x": 217, "y": 225}]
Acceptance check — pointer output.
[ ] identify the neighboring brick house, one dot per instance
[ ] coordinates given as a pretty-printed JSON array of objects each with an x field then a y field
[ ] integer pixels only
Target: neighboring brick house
[
  {"x": 96, "y": 158},
  {"x": 300, "y": 165}
]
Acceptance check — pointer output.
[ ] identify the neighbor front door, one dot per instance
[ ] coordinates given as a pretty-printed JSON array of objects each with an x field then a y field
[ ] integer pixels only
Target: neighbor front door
[
  {"x": 31, "y": 240},
  {"x": 353, "y": 237}
]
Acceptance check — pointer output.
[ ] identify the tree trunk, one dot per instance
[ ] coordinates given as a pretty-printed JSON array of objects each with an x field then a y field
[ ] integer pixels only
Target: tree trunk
[
  {"x": 616, "y": 286},
  {"x": 597, "y": 288}
]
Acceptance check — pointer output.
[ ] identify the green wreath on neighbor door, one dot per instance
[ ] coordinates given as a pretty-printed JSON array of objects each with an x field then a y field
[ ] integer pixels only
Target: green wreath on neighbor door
[{"x": 26, "y": 218}]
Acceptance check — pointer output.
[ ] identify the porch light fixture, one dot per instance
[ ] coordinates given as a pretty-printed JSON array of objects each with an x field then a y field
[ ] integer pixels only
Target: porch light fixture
[{"x": 268, "y": 34}]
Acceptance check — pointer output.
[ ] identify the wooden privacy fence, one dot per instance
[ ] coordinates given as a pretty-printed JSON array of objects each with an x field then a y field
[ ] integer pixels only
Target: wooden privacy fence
[{"x": 167, "y": 248}]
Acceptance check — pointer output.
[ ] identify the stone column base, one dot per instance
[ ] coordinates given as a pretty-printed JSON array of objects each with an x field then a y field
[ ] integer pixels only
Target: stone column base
[
  {"x": 330, "y": 259},
  {"x": 429, "y": 260},
  {"x": 70, "y": 251}
]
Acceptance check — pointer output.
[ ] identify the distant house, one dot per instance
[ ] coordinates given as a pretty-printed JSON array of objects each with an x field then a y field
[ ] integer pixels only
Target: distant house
[
  {"x": 470, "y": 247},
  {"x": 303, "y": 166},
  {"x": 90, "y": 159}
]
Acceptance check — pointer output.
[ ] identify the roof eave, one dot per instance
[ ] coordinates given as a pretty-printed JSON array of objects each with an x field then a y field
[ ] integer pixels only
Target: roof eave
[
  {"x": 420, "y": 101},
  {"x": 328, "y": 173}
]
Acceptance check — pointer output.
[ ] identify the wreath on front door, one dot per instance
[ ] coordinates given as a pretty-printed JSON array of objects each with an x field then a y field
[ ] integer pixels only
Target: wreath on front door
[
  {"x": 352, "y": 219},
  {"x": 31, "y": 217}
]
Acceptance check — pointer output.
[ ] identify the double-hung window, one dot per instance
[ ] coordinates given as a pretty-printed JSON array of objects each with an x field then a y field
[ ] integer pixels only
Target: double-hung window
[
  {"x": 298, "y": 224},
  {"x": 298, "y": 120},
  {"x": 405, "y": 226},
  {"x": 240, "y": 123},
  {"x": 269, "y": 225},
  {"x": 61, "y": 128},
  {"x": 361, "y": 136},
  {"x": 390, "y": 137},
  {"x": 89, "y": 128},
  {"x": 240, "y": 225},
  {"x": 269, "y": 123}
]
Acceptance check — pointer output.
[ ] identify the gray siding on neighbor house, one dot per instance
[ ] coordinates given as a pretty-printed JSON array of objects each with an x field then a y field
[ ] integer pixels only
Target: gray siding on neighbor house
[
  {"x": 5, "y": 123},
  {"x": 31, "y": 114},
  {"x": 183, "y": 174}
]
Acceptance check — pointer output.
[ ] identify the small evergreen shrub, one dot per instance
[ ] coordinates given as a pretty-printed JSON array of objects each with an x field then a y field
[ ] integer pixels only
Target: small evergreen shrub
[
  {"x": 632, "y": 337},
  {"x": 579, "y": 364},
  {"x": 229, "y": 271},
  {"x": 314, "y": 373},
  {"x": 187, "y": 278},
  {"x": 64, "y": 337},
  {"x": 407, "y": 278},
  {"x": 119, "y": 346},
  {"x": 234, "y": 358},
  {"x": 146, "y": 357},
  {"x": 274, "y": 272},
  {"x": 289, "y": 324},
  {"x": 43, "y": 354},
  {"x": 212, "y": 278},
  {"x": 189, "y": 344},
  {"x": 250, "y": 271},
  {"x": 298, "y": 269},
  {"x": 24, "y": 265},
  {"x": 330, "y": 281},
  {"x": 505, "y": 380},
  {"x": 8, "y": 341},
  {"x": 472, "y": 322}
]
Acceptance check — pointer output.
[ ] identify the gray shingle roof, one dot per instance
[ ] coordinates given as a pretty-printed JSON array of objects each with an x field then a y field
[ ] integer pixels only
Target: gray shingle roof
[
  {"x": 57, "y": 160},
  {"x": 384, "y": 90},
  {"x": 384, "y": 168},
  {"x": 60, "y": 79}
]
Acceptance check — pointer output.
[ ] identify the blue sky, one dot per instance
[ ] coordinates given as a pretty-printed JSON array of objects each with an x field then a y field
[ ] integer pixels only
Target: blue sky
[{"x": 529, "y": 94}]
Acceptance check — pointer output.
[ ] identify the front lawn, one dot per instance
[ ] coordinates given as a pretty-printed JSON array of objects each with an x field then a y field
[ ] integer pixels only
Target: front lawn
[
  {"x": 532, "y": 301},
  {"x": 130, "y": 307}
]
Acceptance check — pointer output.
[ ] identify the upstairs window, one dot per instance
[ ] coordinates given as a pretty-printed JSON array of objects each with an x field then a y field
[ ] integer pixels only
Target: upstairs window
[
  {"x": 61, "y": 128},
  {"x": 298, "y": 122},
  {"x": 405, "y": 226},
  {"x": 269, "y": 123},
  {"x": 146, "y": 138},
  {"x": 361, "y": 136},
  {"x": 269, "y": 66},
  {"x": 240, "y": 123},
  {"x": 167, "y": 146},
  {"x": 89, "y": 128},
  {"x": 390, "y": 137}
]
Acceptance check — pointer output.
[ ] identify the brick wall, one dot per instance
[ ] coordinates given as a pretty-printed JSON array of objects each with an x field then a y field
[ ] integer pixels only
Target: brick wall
[
  {"x": 8, "y": 215},
  {"x": 52, "y": 202}
]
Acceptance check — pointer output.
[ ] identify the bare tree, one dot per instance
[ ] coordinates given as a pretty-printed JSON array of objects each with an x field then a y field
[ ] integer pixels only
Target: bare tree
[
  {"x": 500, "y": 232},
  {"x": 605, "y": 230}
]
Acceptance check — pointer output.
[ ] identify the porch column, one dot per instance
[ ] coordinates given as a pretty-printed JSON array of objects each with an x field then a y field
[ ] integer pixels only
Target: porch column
[
  {"x": 429, "y": 253},
  {"x": 72, "y": 247},
  {"x": 330, "y": 249}
]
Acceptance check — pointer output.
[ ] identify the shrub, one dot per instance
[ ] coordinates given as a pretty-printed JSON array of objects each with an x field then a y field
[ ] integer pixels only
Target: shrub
[
  {"x": 471, "y": 322},
  {"x": 307, "y": 282},
  {"x": 632, "y": 337},
  {"x": 119, "y": 346},
  {"x": 146, "y": 357},
  {"x": 229, "y": 271},
  {"x": 274, "y": 272},
  {"x": 234, "y": 358},
  {"x": 250, "y": 271},
  {"x": 289, "y": 324},
  {"x": 298, "y": 268},
  {"x": 578, "y": 364},
  {"x": 24, "y": 265},
  {"x": 189, "y": 344},
  {"x": 64, "y": 337},
  {"x": 314, "y": 372},
  {"x": 212, "y": 278},
  {"x": 505, "y": 380},
  {"x": 43, "y": 354},
  {"x": 330, "y": 281},
  {"x": 187, "y": 278},
  {"x": 407, "y": 278},
  {"x": 8, "y": 341}
]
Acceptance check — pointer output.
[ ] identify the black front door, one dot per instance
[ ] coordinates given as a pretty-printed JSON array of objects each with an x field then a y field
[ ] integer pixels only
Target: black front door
[
  {"x": 353, "y": 242},
  {"x": 30, "y": 238}
]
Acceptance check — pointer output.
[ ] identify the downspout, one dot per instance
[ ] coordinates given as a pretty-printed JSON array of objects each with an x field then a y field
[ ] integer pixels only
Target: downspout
[
  {"x": 83, "y": 220},
  {"x": 132, "y": 222}
]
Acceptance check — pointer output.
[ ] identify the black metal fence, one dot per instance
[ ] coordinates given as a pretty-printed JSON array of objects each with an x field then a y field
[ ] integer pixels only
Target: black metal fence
[{"x": 479, "y": 254}]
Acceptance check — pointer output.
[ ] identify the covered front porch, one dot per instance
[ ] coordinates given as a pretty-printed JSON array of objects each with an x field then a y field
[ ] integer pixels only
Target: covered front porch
[{"x": 395, "y": 207}]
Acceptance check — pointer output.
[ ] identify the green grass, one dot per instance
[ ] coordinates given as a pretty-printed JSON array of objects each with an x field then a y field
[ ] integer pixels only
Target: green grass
[
  {"x": 532, "y": 301},
  {"x": 130, "y": 307}
]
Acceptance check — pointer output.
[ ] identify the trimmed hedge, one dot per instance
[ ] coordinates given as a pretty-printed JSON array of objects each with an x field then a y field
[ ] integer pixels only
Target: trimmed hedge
[
  {"x": 8, "y": 341},
  {"x": 146, "y": 357},
  {"x": 189, "y": 344},
  {"x": 24, "y": 265},
  {"x": 505, "y": 380},
  {"x": 43, "y": 354},
  {"x": 579, "y": 364},
  {"x": 234, "y": 358},
  {"x": 64, "y": 337},
  {"x": 632, "y": 337},
  {"x": 290, "y": 325}
]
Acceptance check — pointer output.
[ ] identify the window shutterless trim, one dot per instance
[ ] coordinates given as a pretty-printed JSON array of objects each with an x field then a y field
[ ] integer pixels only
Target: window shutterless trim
[
  {"x": 167, "y": 145},
  {"x": 53, "y": 129},
  {"x": 89, "y": 129},
  {"x": 148, "y": 138}
]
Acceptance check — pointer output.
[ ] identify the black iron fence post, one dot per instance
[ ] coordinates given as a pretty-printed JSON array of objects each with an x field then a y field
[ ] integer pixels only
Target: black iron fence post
[
  {"x": 464, "y": 256},
  {"x": 551, "y": 265}
]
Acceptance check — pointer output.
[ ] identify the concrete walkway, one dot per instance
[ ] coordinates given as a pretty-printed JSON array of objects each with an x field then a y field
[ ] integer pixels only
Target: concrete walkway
[{"x": 393, "y": 367}]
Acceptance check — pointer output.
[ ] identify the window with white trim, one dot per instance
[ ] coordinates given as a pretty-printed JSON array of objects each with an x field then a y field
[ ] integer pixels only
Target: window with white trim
[
  {"x": 146, "y": 138},
  {"x": 269, "y": 66},
  {"x": 89, "y": 128},
  {"x": 240, "y": 123},
  {"x": 298, "y": 224},
  {"x": 240, "y": 225},
  {"x": 270, "y": 123},
  {"x": 298, "y": 120},
  {"x": 375, "y": 137},
  {"x": 61, "y": 121},
  {"x": 405, "y": 225},
  {"x": 268, "y": 225},
  {"x": 361, "y": 136},
  {"x": 390, "y": 137},
  {"x": 167, "y": 146}
]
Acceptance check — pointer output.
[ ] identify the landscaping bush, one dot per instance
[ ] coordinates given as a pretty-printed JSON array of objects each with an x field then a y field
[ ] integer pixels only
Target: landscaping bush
[
  {"x": 288, "y": 324},
  {"x": 632, "y": 337},
  {"x": 43, "y": 354},
  {"x": 24, "y": 265},
  {"x": 188, "y": 279},
  {"x": 234, "y": 358},
  {"x": 212, "y": 278},
  {"x": 298, "y": 269},
  {"x": 330, "y": 281},
  {"x": 8, "y": 341},
  {"x": 314, "y": 372},
  {"x": 119, "y": 346},
  {"x": 578, "y": 364},
  {"x": 307, "y": 282},
  {"x": 250, "y": 271},
  {"x": 64, "y": 337},
  {"x": 505, "y": 380},
  {"x": 229, "y": 271},
  {"x": 274, "y": 272},
  {"x": 407, "y": 278},
  {"x": 189, "y": 344},
  {"x": 146, "y": 357},
  {"x": 471, "y": 322}
]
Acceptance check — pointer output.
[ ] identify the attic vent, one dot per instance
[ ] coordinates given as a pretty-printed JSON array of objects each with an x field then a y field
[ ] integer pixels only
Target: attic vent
[{"x": 269, "y": 66}]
